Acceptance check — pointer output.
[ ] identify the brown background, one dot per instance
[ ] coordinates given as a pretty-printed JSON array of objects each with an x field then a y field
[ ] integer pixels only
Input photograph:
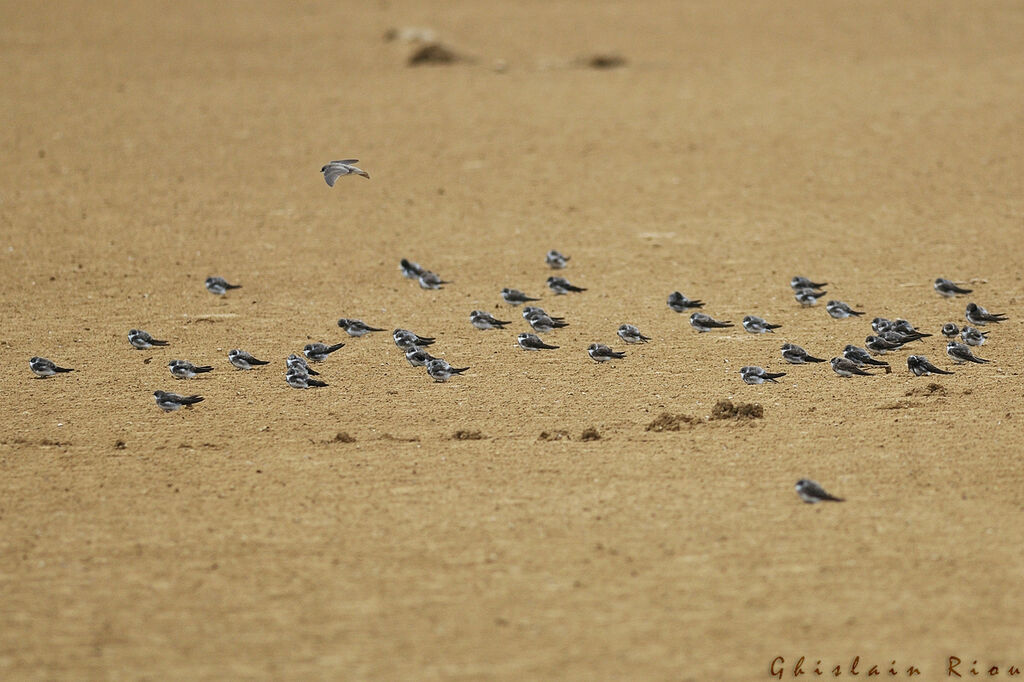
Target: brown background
[{"x": 146, "y": 146}]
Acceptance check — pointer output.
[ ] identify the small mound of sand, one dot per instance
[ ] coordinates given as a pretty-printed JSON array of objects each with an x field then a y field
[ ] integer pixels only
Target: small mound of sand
[
  {"x": 342, "y": 437},
  {"x": 555, "y": 435},
  {"x": 930, "y": 389},
  {"x": 671, "y": 422},
  {"x": 724, "y": 409},
  {"x": 467, "y": 435},
  {"x": 433, "y": 53},
  {"x": 602, "y": 61},
  {"x": 590, "y": 434}
]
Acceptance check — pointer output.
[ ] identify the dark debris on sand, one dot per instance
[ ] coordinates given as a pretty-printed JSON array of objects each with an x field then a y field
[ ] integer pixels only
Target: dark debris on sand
[
  {"x": 462, "y": 434},
  {"x": 724, "y": 409},
  {"x": 555, "y": 435},
  {"x": 671, "y": 422},
  {"x": 590, "y": 434},
  {"x": 433, "y": 53}
]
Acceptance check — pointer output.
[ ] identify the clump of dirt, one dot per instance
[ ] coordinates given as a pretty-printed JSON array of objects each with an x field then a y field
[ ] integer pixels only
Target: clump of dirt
[
  {"x": 120, "y": 445},
  {"x": 555, "y": 435},
  {"x": 602, "y": 61},
  {"x": 671, "y": 422},
  {"x": 342, "y": 437},
  {"x": 930, "y": 389},
  {"x": 590, "y": 434},
  {"x": 462, "y": 434},
  {"x": 433, "y": 53},
  {"x": 724, "y": 409}
]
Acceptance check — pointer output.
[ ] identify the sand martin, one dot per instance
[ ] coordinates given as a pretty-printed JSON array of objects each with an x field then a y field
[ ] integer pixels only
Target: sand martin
[
  {"x": 560, "y": 285},
  {"x": 808, "y": 297},
  {"x": 296, "y": 378},
  {"x": 168, "y": 402},
  {"x": 544, "y": 324},
  {"x": 405, "y": 338},
  {"x": 431, "y": 280},
  {"x": 679, "y": 303},
  {"x": 243, "y": 360},
  {"x": 893, "y": 336},
  {"x": 881, "y": 324},
  {"x": 879, "y": 345},
  {"x": 142, "y": 340},
  {"x": 531, "y": 310},
  {"x": 903, "y": 327},
  {"x": 795, "y": 355},
  {"x": 409, "y": 269},
  {"x": 418, "y": 357},
  {"x": 948, "y": 288},
  {"x": 919, "y": 365},
  {"x": 440, "y": 371},
  {"x": 532, "y": 342},
  {"x": 757, "y": 375},
  {"x": 812, "y": 493},
  {"x": 959, "y": 353},
  {"x": 847, "y": 368},
  {"x": 758, "y": 325},
  {"x": 803, "y": 283},
  {"x": 356, "y": 327},
  {"x": 484, "y": 320},
  {"x": 860, "y": 357},
  {"x": 631, "y": 334},
  {"x": 705, "y": 323},
  {"x": 336, "y": 169},
  {"x": 840, "y": 310},
  {"x": 318, "y": 352},
  {"x": 973, "y": 337},
  {"x": 602, "y": 353},
  {"x": 556, "y": 260},
  {"x": 43, "y": 368},
  {"x": 950, "y": 330},
  {"x": 182, "y": 369},
  {"x": 515, "y": 297},
  {"x": 299, "y": 362},
  {"x": 978, "y": 316},
  {"x": 219, "y": 285}
]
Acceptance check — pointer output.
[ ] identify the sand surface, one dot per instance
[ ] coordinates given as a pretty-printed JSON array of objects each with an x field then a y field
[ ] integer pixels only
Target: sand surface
[{"x": 148, "y": 145}]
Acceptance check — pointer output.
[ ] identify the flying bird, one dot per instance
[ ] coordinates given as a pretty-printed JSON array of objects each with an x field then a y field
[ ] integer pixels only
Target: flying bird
[{"x": 336, "y": 169}]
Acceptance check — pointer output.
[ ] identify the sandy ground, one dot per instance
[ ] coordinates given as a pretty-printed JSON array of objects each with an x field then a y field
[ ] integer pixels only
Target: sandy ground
[{"x": 149, "y": 145}]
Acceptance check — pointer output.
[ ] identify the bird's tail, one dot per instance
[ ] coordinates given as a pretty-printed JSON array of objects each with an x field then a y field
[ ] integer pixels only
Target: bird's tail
[
  {"x": 62, "y": 369},
  {"x": 459, "y": 370},
  {"x": 155, "y": 342},
  {"x": 192, "y": 399},
  {"x": 331, "y": 349},
  {"x": 206, "y": 368}
]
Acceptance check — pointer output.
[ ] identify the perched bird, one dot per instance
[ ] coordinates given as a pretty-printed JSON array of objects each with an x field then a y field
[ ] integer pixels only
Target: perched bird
[
  {"x": 43, "y": 368},
  {"x": 602, "y": 353},
  {"x": 409, "y": 269},
  {"x": 556, "y": 260},
  {"x": 978, "y": 316},
  {"x": 484, "y": 320},
  {"x": 544, "y": 324},
  {"x": 242, "y": 360},
  {"x": 950, "y": 330},
  {"x": 959, "y": 353},
  {"x": 418, "y": 357},
  {"x": 405, "y": 338},
  {"x": 881, "y": 324},
  {"x": 860, "y": 357},
  {"x": 919, "y": 365},
  {"x": 530, "y": 310},
  {"x": 947, "y": 288},
  {"x": 705, "y": 323},
  {"x": 515, "y": 297},
  {"x": 631, "y": 334},
  {"x": 142, "y": 340},
  {"x": 431, "y": 280},
  {"x": 812, "y": 493},
  {"x": 356, "y": 327},
  {"x": 880, "y": 345},
  {"x": 808, "y": 297},
  {"x": 299, "y": 362},
  {"x": 795, "y": 355},
  {"x": 907, "y": 329},
  {"x": 440, "y": 371},
  {"x": 296, "y": 378},
  {"x": 973, "y": 337},
  {"x": 182, "y": 369},
  {"x": 847, "y": 368},
  {"x": 528, "y": 341},
  {"x": 168, "y": 402},
  {"x": 840, "y": 310},
  {"x": 219, "y": 285},
  {"x": 757, "y": 375},
  {"x": 560, "y": 285},
  {"x": 679, "y": 303},
  {"x": 336, "y": 169},
  {"x": 758, "y": 325},
  {"x": 803, "y": 283},
  {"x": 318, "y": 352},
  {"x": 893, "y": 336}
]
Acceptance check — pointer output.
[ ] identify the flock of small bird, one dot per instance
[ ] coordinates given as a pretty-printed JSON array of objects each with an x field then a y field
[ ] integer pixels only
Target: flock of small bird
[{"x": 889, "y": 335}]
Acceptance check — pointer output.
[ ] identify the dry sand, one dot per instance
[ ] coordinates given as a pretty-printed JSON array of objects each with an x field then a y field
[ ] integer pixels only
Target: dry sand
[{"x": 149, "y": 145}]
